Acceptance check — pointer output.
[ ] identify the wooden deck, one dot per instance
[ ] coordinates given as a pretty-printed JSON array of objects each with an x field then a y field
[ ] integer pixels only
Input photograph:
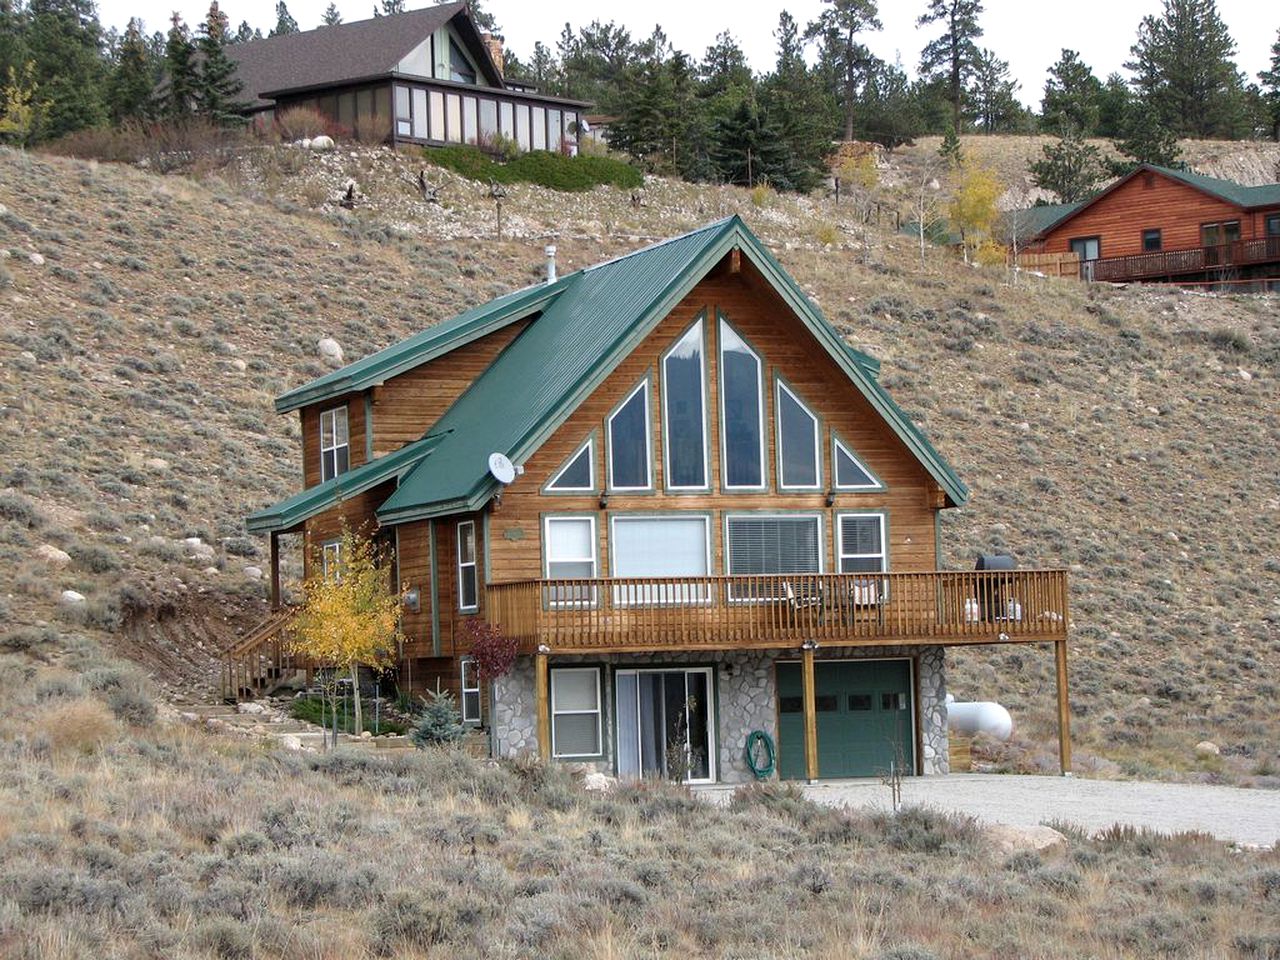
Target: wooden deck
[
  {"x": 1192, "y": 261},
  {"x": 610, "y": 615}
]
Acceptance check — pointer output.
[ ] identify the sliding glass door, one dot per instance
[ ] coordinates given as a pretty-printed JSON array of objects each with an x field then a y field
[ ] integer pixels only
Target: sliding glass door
[{"x": 665, "y": 725}]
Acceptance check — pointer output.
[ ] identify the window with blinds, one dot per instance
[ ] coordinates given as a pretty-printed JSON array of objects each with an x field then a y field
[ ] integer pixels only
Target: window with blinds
[
  {"x": 765, "y": 545},
  {"x": 570, "y": 547}
]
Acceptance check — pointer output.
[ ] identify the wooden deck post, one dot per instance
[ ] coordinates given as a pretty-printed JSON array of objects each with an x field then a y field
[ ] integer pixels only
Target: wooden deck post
[
  {"x": 275, "y": 570},
  {"x": 1064, "y": 709},
  {"x": 540, "y": 696},
  {"x": 810, "y": 714}
]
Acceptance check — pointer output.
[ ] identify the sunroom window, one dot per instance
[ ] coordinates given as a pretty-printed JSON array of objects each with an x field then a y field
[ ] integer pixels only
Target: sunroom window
[
  {"x": 335, "y": 443},
  {"x": 629, "y": 443},
  {"x": 852, "y": 473},
  {"x": 742, "y": 409},
  {"x": 797, "y": 442},
  {"x": 684, "y": 410}
]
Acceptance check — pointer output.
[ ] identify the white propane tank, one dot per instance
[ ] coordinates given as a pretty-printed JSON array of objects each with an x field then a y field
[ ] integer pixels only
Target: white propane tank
[{"x": 968, "y": 719}]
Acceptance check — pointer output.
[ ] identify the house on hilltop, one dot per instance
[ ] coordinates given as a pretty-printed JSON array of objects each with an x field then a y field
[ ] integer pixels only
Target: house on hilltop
[
  {"x": 1165, "y": 225},
  {"x": 428, "y": 76},
  {"x": 691, "y": 502}
]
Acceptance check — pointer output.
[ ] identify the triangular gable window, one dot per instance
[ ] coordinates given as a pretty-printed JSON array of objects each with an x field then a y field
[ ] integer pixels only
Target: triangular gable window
[
  {"x": 578, "y": 475},
  {"x": 852, "y": 473}
]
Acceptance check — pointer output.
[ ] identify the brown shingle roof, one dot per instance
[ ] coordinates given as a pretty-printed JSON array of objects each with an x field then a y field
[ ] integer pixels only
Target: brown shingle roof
[{"x": 333, "y": 55}]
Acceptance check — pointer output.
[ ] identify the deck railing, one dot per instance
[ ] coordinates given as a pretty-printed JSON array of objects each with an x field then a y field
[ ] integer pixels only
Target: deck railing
[
  {"x": 1169, "y": 263},
  {"x": 724, "y": 612}
]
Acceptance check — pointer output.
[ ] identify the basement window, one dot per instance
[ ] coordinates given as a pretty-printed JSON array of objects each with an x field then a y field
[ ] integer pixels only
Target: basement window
[
  {"x": 1151, "y": 241},
  {"x": 470, "y": 691},
  {"x": 335, "y": 443},
  {"x": 576, "y": 712}
]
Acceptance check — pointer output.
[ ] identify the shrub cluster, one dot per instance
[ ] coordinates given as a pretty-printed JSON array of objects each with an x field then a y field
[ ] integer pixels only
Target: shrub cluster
[{"x": 541, "y": 167}]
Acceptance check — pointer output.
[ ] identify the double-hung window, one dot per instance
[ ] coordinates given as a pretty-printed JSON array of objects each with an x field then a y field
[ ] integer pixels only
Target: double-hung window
[
  {"x": 570, "y": 547},
  {"x": 331, "y": 559},
  {"x": 1152, "y": 241},
  {"x": 335, "y": 443},
  {"x": 666, "y": 548},
  {"x": 860, "y": 546},
  {"x": 771, "y": 549},
  {"x": 468, "y": 579},
  {"x": 684, "y": 412},
  {"x": 576, "y": 712},
  {"x": 1273, "y": 225},
  {"x": 798, "y": 448},
  {"x": 629, "y": 445},
  {"x": 470, "y": 691},
  {"x": 742, "y": 412}
]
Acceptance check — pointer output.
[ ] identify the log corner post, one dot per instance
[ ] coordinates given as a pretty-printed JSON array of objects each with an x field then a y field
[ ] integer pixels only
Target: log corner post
[
  {"x": 1064, "y": 709},
  {"x": 810, "y": 713},
  {"x": 541, "y": 693},
  {"x": 275, "y": 570}
]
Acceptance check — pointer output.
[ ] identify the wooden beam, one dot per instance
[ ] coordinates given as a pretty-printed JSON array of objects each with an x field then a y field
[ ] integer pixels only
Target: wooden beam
[
  {"x": 1064, "y": 709},
  {"x": 810, "y": 715},
  {"x": 275, "y": 570},
  {"x": 541, "y": 698}
]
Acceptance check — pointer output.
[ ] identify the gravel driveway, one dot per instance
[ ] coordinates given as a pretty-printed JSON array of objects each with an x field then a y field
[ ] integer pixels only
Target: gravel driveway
[{"x": 1229, "y": 813}]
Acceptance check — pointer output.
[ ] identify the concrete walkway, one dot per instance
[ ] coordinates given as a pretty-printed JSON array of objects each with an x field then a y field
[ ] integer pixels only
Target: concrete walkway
[{"x": 1249, "y": 817}]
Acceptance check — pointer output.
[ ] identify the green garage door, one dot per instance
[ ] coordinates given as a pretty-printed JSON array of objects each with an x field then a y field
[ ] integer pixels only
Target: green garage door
[{"x": 864, "y": 718}]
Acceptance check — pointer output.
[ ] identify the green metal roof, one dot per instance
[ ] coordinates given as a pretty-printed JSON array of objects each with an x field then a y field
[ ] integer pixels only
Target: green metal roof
[
  {"x": 1268, "y": 194},
  {"x": 287, "y": 514},
  {"x": 1034, "y": 221},
  {"x": 588, "y": 324},
  {"x": 422, "y": 347}
]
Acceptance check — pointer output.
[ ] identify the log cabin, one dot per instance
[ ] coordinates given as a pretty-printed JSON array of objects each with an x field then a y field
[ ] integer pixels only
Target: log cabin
[
  {"x": 1163, "y": 225},
  {"x": 428, "y": 76},
  {"x": 707, "y": 525}
]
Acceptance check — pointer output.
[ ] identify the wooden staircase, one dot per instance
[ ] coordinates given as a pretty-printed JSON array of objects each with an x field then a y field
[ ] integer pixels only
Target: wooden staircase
[{"x": 259, "y": 661}]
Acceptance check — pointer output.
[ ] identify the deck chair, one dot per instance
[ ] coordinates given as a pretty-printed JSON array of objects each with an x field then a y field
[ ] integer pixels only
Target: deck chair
[{"x": 798, "y": 603}]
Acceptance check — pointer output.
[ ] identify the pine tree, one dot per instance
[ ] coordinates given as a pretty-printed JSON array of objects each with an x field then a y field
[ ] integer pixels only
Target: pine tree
[
  {"x": 180, "y": 65},
  {"x": 1271, "y": 88},
  {"x": 132, "y": 84},
  {"x": 794, "y": 97},
  {"x": 13, "y": 37},
  {"x": 245, "y": 33},
  {"x": 1145, "y": 140},
  {"x": 747, "y": 149},
  {"x": 949, "y": 150},
  {"x": 64, "y": 40},
  {"x": 17, "y": 105},
  {"x": 331, "y": 17},
  {"x": 284, "y": 21},
  {"x": 1114, "y": 103},
  {"x": 993, "y": 95},
  {"x": 1070, "y": 168},
  {"x": 838, "y": 27},
  {"x": 1071, "y": 97},
  {"x": 954, "y": 55},
  {"x": 889, "y": 113},
  {"x": 388, "y": 8},
  {"x": 218, "y": 87},
  {"x": 1184, "y": 70}
]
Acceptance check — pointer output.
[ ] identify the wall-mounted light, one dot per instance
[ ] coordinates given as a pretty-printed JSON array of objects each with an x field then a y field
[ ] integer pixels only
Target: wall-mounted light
[
  {"x": 831, "y": 498},
  {"x": 604, "y": 501},
  {"x": 413, "y": 600}
]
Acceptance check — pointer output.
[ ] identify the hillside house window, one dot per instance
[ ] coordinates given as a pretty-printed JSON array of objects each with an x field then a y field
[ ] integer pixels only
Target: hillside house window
[
  {"x": 860, "y": 542},
  {"x": 578, "y": 475},
  {"x": 539, "y": 128},
  {"x": 404, "y": 112},
  {"x": 629, "y": 442},
  {"x": 331, "y": 559},
  {"x": 851, "y": 473},
  {"x": 570, "y": 547},
  {"x": 684, "y": 412},
  {"x": 1273, "y": 225},
  {"x": 1151, "y": 241},
  {"x": 667, "y": 546},
  {"x": 1217, "y": 234},
  {"x": 460, "y": 69},
  {"x": 768, "y": 545},
  {"x": 470, "y": 699},
  {"x": 468, "y": 578},
  {"x": 335, "y": 443},
  {"x": 742, "y": 412},
  {"x": 797, "y": 427},
  {"x": 575, "y": 712}
]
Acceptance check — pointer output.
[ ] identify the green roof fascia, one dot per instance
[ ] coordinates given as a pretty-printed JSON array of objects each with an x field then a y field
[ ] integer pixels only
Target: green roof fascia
[
  {"x": 409, "y": 501},
  {"x": 422, "y": 347},
  {"x": 1034, "y": 221},
  {"x": 868, "y": 363},
  {"x": 1234, "y": 193},
  {"x": 305, "y": 504}
]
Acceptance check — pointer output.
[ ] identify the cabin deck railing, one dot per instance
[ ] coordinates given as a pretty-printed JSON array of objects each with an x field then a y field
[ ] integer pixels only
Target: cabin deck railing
[
  {"x": 1168, "y": 263},
  {"x": 725, "y": 612}
]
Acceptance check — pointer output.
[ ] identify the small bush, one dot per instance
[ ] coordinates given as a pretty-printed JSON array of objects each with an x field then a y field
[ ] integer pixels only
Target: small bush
[
  {"x": 76, "y": 726},
  {"x": 439, "y": 723},
  {"x": 94, "y": 558},
  {"x": 132, "y": 706},
  {"x": 412, "y": 919},
  {"x": 541, "y": 167},
  {"x": 15, "y": 507},
  {"x": 303, "y": 123}
]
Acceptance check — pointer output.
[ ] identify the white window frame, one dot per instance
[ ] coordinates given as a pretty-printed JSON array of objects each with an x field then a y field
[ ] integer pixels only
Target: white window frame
[
  {"x": 548, "y": 559},
  {"x": 838, "y": 447},
  {"x": 598, "y": 711},
  {"x": 697, "y": 596},
  {"x": 713, "y": 747},
  {"x": 471, "y": 564},
  {"x": 780, "y": 387},
  {"x": 328, "y": 565},
  {"x": 760, "y": 393},
  {"x": 882, "y": 556},
  {"x": 643, "y": 385},
  {"x": 590, "y": 449},
  {"x": 332, "y": 413},
  {"x": 474, "y": 670},
  {"x": 698, "y": 325},
  {"x": 728, "y": 549}
]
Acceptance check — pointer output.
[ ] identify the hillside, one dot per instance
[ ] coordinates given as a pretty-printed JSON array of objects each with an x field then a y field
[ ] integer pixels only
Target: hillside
[{"x": 148, "y": 322}]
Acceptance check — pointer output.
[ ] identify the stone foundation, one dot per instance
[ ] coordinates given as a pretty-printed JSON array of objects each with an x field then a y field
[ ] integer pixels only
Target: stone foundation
[{"x": 746, "y": 700}]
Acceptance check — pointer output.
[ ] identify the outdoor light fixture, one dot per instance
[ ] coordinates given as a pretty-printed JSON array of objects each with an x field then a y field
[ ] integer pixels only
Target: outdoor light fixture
[
  {"x": 604, "y": 501},
  {"x": 831, "y": 498},
  {"x": 413, "y": 600}
]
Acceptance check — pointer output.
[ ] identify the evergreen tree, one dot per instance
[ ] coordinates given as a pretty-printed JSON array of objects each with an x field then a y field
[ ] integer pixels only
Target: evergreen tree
[
  {"x": 949, "y": 150},
  {"x": 218, "y": 87},
  {"x": 64, "y": 39},
  {"x": 331, "y": 17},
  {"x": 245, "y": 33},
  {"x": 1070, "y": 168},
  {"x": 725, "y": 82},
  {"x": 1071, "y": 97},
  {"x": 838, "y": 28},
  {"x": 993, "y": 96},
  {"x": 133, "y": 81},
  {"x": 1145, "y": 140},
  {"x": 889, "y": 113},
  {"x": 793, "y": 96},
  {"x": 180, "y": 65},
  {"x": 13, "y": 38},
  {"x": 747, "y": 149},
  {"x": 389, "y": 8},
  {"x": 954, "y": 55},
  {"x": 1271, "y": 89},
  {"x": 593, "y": 61},
  {"x": 485, "y": 20},
  {"x": 1184, "y": 70},
  {"x": 284, "y": 21},
  {"x": 1114, "y": 103}
]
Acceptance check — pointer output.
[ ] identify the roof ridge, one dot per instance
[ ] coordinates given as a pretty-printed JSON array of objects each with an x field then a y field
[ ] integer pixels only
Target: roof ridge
[
  {"x": 661, "y": 243},
  {"x": 429, "y": 8}
]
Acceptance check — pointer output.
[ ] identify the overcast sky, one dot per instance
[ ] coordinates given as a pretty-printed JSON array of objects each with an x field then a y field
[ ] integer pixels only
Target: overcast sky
[{"x": 1030, "y": 36}]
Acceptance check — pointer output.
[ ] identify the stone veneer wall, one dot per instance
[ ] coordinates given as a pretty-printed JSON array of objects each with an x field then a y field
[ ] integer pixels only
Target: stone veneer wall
[{"x": 745, "y": 700}]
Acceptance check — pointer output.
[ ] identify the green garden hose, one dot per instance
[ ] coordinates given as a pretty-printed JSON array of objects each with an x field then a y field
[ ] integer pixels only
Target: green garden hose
[{"x": 754, "y": 739}]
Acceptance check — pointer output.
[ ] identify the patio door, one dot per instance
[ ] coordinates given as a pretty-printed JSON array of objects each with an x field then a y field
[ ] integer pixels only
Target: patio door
[
  {"x": 1087, "y": 249},
  {"x": 665, "y": 726}
]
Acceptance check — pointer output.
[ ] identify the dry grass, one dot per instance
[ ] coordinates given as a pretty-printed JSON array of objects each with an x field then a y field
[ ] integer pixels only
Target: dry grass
[{"x": 81, "y": 726}]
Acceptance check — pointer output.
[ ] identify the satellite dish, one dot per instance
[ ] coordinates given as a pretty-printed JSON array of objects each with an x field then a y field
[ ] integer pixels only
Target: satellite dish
[{"x": 502, "y": 469}]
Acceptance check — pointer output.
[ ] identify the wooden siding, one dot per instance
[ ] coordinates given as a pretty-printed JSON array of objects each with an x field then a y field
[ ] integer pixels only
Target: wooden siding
[
  {"x": 309, "y": 423},
  {"x": 357, "y": 513},
  {"x": 1172, "y": 207},
  {"x": 406, "y": 406},
  {"x": 786, "y": 348}
]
